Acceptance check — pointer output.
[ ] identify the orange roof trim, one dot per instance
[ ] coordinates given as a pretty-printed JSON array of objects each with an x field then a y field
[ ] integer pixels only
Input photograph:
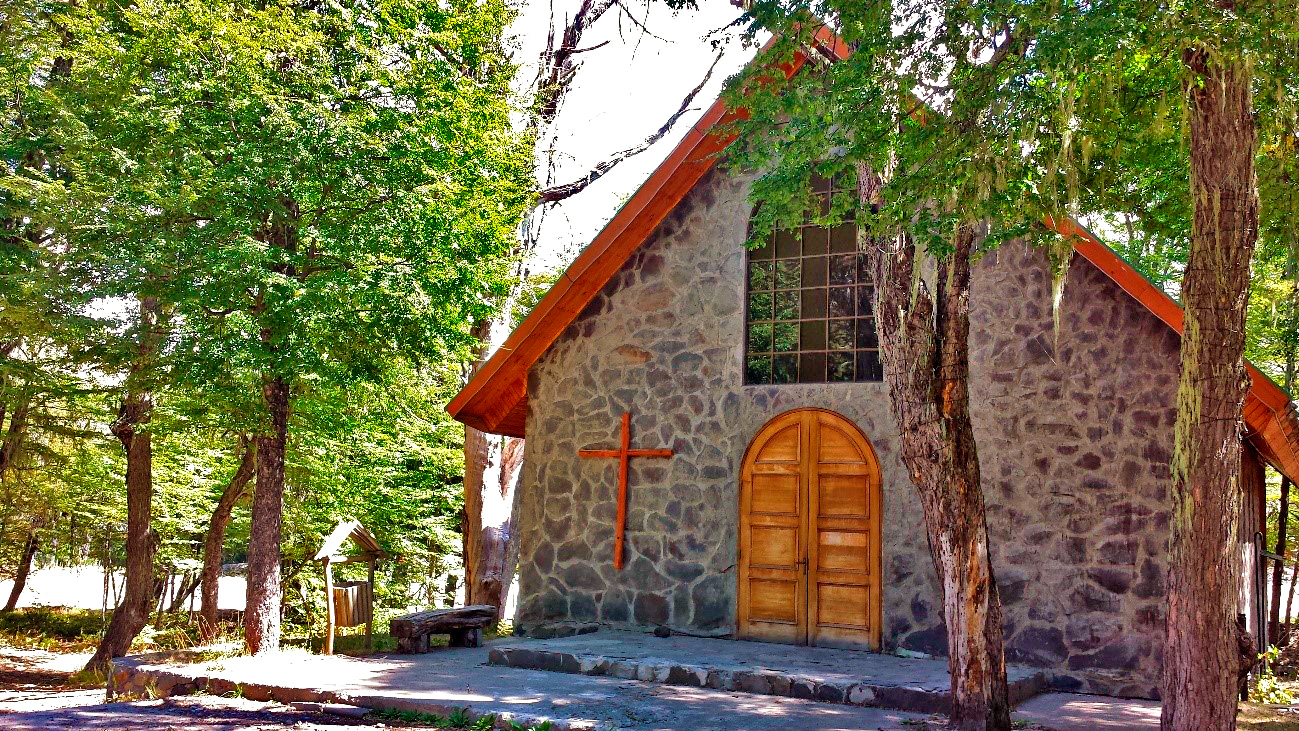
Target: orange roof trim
[{"x": 495, "y": 400}]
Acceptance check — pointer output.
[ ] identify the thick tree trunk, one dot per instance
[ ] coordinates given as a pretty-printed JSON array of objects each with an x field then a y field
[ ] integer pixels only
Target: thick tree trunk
[
  {"x": 1201, "y": 658},
  {"x": 491, "y": 472},
  {"x": 131, "y": 428},
  {"x": 214, "y": 539},
  {"x": 924, "y": 345},
  {"x": 262, "y": 613},
  {"x": 1278, "y": 568},
  {"x": 24, "y": 568}
]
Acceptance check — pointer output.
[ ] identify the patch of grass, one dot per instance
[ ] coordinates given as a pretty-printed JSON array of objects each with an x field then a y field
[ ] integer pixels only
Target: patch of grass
[
  {"x": 54, "y": 629},
  {"x": 407, "y": 717},
  {"x": 1266, "y": 717},
  {"x": 459, "y": 719},
  {"x": 61, "y": 629}
]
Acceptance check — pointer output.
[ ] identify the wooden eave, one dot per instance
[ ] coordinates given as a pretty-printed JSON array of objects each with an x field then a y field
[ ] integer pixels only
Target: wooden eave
[{"x": 496, "y": 400}]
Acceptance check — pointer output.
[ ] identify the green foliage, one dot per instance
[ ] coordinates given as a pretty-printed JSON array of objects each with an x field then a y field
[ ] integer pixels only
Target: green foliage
[
  {"x": 322, "y": 193},
  {"x": 1005, "y": 112},
  {"x": 50, "y": 629},
  {"x": 1267, "y": 689}
]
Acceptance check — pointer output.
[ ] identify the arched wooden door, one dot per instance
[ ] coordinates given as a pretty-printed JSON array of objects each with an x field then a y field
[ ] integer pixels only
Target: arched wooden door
[{"x": 809, "y": 554}]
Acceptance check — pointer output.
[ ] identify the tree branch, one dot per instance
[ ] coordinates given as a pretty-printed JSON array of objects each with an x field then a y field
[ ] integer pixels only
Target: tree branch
[{"x": 557, "y": 193}]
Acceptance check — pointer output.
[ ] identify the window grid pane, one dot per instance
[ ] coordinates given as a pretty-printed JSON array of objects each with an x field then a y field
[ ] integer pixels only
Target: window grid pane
[{"x": 809, "y": 307}]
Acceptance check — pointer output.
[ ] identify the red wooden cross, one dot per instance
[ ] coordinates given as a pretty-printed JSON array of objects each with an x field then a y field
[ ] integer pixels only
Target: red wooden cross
[{"x": 624, "y": 453}]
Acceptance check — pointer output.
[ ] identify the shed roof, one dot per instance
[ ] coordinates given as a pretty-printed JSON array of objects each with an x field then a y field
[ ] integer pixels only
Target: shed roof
[
  {"x": 495, "y": 399},
  {"x": 354, "y": 530}
]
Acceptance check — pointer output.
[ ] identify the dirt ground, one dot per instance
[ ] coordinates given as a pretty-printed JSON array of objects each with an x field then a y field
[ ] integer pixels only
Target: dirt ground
[{"x": 36, "y": 694}]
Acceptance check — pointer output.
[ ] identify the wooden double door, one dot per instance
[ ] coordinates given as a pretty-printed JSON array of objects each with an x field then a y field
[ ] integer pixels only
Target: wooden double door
[{"x": 809, "y": 553}]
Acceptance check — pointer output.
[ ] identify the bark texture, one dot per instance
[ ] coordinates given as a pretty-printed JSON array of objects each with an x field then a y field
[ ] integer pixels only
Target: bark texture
[
  {"x": 131, "y": 429},
  {"x": 262, "y": 613},
  {"x": 924, "y": 345},
  {"x": 1201, "y": 659},
  {"x": 24, "y": 568},
  {"x": 491, "y": 472},
  {"x": 214, "y": 539}
]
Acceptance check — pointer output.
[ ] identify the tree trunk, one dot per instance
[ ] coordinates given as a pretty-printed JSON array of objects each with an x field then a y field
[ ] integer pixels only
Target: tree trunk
[
  {"x": 24, "y": 568},
  {"x": 1280, "y": 632},
  {"x": 491, "y": 472},
  {"x": 1201, "y": 658},
  {"x": 262, "y": 613},
  {"x": 1289, "y": 601},
  {"x": 924, "y": 345},
  {"x": 131, "y": 428},
  {"x": 214, "y": 539},
  {"x": 1278, "y": 568}
]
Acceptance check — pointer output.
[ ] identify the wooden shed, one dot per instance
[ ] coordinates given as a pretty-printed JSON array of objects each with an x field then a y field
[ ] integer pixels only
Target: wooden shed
[{"x": 349, "y": 603}]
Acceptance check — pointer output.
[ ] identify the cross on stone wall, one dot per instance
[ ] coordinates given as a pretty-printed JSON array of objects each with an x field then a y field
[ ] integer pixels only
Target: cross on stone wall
[{"x": 624, "y": 453}]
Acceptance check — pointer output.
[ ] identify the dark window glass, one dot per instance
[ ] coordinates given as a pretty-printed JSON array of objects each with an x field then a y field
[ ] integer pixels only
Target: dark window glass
[
  {"x": 786, "y": 244},
  {"x": 759, "y": 275},
  {"x": 757, "y": 369},
  {"x": 786, "y": 337},
  {"x": 814, "y": 271},
  {"x": 809, "y": 311},
  {"x": 814, "y": 303},
  {"x": 841, "y": 302},
  {"x": 811, "y": 368},
  {"x": 784, "y": 369},
  {"x": 840, "y": 367},
  {"x": 813, "y": 335},
  {"x": 787, "y": 274},
  {"x": 840, "y": 334}
]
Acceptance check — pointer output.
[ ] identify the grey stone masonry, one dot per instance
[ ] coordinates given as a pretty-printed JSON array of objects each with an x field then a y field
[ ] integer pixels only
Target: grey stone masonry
[
  {"x": 811, "y": 673},
  {"x": 1074, "y": 431}
]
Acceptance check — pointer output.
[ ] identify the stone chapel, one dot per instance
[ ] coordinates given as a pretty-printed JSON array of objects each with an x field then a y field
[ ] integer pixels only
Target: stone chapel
[{"x": 784, "y": 512}]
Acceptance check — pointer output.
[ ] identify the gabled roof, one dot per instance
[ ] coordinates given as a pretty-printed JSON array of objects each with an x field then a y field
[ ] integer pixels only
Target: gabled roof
[
  {"x": 496, "y": 400},
  {"x": 353, "y": 529}
]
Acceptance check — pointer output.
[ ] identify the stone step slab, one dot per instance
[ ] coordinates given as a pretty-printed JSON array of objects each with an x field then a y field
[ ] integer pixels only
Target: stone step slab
[{"x": 873, "y": 693}]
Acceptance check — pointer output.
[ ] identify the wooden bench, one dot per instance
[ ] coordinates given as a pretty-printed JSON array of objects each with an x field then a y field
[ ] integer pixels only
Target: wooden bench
[{"x": 464, "y": 625}]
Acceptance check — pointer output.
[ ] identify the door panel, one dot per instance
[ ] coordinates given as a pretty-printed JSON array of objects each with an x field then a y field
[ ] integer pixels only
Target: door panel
[
  {"x": 844, "y": 574},
  {"x": 809, "y": 534},
  {"x": 773, "y": 498}
]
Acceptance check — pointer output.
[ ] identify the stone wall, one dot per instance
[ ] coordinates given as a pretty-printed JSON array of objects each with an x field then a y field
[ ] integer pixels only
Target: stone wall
[{"x": 1074, "y": 431}]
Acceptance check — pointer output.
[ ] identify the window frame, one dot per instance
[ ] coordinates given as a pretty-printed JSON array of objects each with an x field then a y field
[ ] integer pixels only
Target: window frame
[{"x": 861, "y": 356}]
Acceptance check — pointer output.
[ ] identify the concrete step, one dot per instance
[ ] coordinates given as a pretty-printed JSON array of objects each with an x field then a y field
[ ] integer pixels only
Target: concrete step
[{"x": 810, "y": 673}]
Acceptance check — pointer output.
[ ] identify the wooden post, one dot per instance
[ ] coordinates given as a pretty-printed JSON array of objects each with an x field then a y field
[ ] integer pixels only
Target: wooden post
[
  {"x": 329, "y": 607},
  {"x": 369, "y": 617}
]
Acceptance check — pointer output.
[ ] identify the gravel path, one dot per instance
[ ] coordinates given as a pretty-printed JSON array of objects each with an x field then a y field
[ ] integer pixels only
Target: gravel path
[{"x": 35, "y": 695}]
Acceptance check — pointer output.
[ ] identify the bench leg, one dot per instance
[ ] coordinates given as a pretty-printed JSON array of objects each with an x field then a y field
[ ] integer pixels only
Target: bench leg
[{"x": 466, "y": 638}]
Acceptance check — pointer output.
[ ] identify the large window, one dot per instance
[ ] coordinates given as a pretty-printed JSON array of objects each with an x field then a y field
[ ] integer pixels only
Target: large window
[{"x": 809, "y": 316}]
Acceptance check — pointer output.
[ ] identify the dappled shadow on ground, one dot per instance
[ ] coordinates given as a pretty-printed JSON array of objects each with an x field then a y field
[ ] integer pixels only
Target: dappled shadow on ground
[
  {"x": 1073, "y": 712},
  {"x": 196, "y": 714}
]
